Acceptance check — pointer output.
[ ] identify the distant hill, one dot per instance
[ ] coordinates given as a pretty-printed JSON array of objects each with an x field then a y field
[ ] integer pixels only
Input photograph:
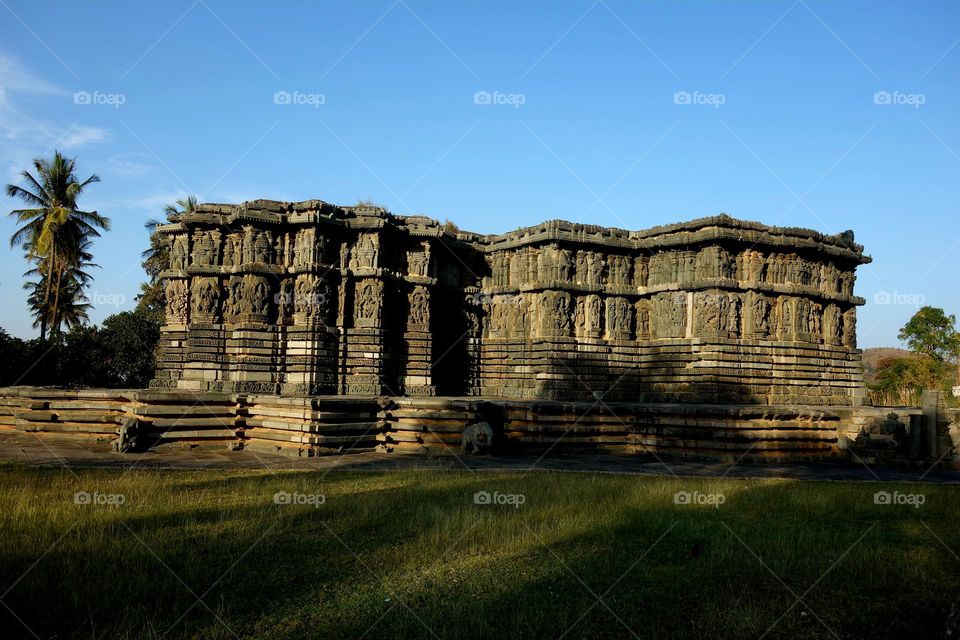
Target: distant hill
[{"x": 873, "y": 357}]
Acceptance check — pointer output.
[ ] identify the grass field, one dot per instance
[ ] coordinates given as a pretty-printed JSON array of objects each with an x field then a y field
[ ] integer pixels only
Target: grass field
[{"x": 212, "y": 554}]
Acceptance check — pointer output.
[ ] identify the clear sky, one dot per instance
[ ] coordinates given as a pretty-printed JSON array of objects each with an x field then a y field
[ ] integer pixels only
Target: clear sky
[{"x": 497, "y": 114}]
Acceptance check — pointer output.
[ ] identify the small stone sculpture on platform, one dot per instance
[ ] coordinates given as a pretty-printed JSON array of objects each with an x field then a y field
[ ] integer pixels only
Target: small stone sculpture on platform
[
  {"x": 128, "y": 435},
  {"x": 477, "y": 438}
]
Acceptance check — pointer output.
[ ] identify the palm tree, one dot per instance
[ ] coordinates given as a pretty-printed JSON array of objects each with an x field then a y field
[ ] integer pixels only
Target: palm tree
[
  {"x": 72, "y": 306},
  {"x": 156, "y": 257},
  {"x": 53, "y": 232}
]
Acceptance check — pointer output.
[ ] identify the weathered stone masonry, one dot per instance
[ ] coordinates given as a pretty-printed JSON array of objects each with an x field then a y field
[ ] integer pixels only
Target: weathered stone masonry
[{"x": 311, "y": 298}]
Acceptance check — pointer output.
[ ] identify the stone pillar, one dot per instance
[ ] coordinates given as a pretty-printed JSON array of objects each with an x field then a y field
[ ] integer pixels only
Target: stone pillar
[
  {"x": 365, "y": 353},
  {"x": 203, "y": 366},
  {"x": 417, "y": 377},
  {"x": 311, "y": 338}
]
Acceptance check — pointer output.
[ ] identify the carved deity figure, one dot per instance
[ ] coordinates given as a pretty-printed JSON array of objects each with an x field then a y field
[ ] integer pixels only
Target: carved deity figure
[
  {"x": 670, "y": 315},
  {"x": 580, "y": 267},
  {"x": 815, "y": 324},
  {"x": 249, "y": 237},
  {"x": 618, "y": 319},
  {"x": 759, "y": 315},
  {"x": 419, "y": 315},
  {"x": 262, "y": 246},
  {"x": 284, "y": 299},
  {"x": 594, "y": 316},
  {"x": 256, "y": 295},
  {"x": 499, "y": 317},
  {"x": 233, "y": 305},
  {"x": 733, "y": 316},
  {"x": 641, "y": 271},
  {"x": 205, "y": 296},
  {"x": 178, "y": 252},
  {"x": 202, "y": 249},
  {"x": 710, "y": 310},
  {"x": 643, "y": 319},
  {"x": 367, "y": 251},
  {"x": 850, "y": 328},
  {"x": 785, "y": 330},
  {"x": 594, "y": 268},
  {"x": 178, "y": 305},
  {"x": 368, "y": 303},
  {"x": 418, "y": 262},
  {"x": 832, "y": 325},
  {"x": 229, "y": 258}
]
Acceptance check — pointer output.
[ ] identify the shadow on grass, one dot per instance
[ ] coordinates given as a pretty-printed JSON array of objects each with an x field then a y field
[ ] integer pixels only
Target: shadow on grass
[{"x": 411, "y": 554}]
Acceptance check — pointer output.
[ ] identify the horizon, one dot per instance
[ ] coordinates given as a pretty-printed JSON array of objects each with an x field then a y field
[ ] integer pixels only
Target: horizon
[{"x": 791, "y": 114}]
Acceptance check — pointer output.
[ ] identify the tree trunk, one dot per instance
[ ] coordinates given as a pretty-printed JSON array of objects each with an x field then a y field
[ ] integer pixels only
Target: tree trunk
[
  {"x": 54, "y": 320},
  {"x": 45, "y": 317}
]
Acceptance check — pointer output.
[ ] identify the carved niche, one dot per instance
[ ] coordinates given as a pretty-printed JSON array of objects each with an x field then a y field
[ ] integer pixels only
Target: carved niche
[
  {"x": 643, "y": 319},
  {"x": 256, "y": 296},
  {"x": 752, "y": 266},
  {"x": 785, "y": 319},
  {"x": 204, "y": 299},
  {"x": 669, "y": 311},
  {"x": 206, "y": 248},
  {"x": 554, "y": 264},
  {"x": 756, "y": 316},
  {"x": 284, "y": 300},
  {"x": 619, "y": 270},
  {"x": 641, "y": 271},
  {"x": 715, "y": 262},
  {"x": 832, "y": 325},
  {"x": 366, "y": 254},
  {"x": 178, "y": 301},
  {"x": 234, "y": 296},
  {"x": 179, "y": 252},
  {"x": 368, "y": 304},
  {"x": 233, "y": 250},
  {"x": 499, "y": 317},
  {"x": 850, "y": 328},
  {"x": 312, "y": 300},
  {"x": 418, "y": 262},
  {"x": 716, "y": 314},
  {"x": 520, "y": 326},
  {"x": 619, "y": 319},
  {"x": 553, "y": 313},
  {"x": 418, "y": 316}
]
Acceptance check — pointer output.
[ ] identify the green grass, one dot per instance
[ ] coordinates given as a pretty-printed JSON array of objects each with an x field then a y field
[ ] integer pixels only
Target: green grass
[{"x": 409, "y": 554}]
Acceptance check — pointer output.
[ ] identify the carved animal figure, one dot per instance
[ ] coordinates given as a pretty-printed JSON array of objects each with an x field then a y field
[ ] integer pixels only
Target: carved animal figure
[
  {"x": 477, "y": 438},
  {"x": 128, "y": 435}
]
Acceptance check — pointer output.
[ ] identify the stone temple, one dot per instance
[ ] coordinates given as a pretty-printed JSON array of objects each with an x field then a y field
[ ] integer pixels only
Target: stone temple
[
  {"x": 311, "y": 298},
  {"x": 310, "y": 329}
]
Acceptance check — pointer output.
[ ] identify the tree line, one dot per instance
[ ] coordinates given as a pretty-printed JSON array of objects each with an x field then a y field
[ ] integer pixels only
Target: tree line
[
  {"x": 56, "y": 236},
  {"x": 934, "y": 361}
]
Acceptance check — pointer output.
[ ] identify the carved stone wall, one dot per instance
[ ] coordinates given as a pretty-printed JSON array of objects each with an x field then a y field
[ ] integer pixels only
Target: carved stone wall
[{"x": 312, "y": 298}]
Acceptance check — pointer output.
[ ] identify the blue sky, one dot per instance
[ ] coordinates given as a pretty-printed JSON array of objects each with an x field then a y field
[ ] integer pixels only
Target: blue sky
[{"x": 501, "y": 114}]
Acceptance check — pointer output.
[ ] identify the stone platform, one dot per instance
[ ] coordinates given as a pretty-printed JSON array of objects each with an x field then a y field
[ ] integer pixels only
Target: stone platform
[{"x": 317, "y": 426}]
